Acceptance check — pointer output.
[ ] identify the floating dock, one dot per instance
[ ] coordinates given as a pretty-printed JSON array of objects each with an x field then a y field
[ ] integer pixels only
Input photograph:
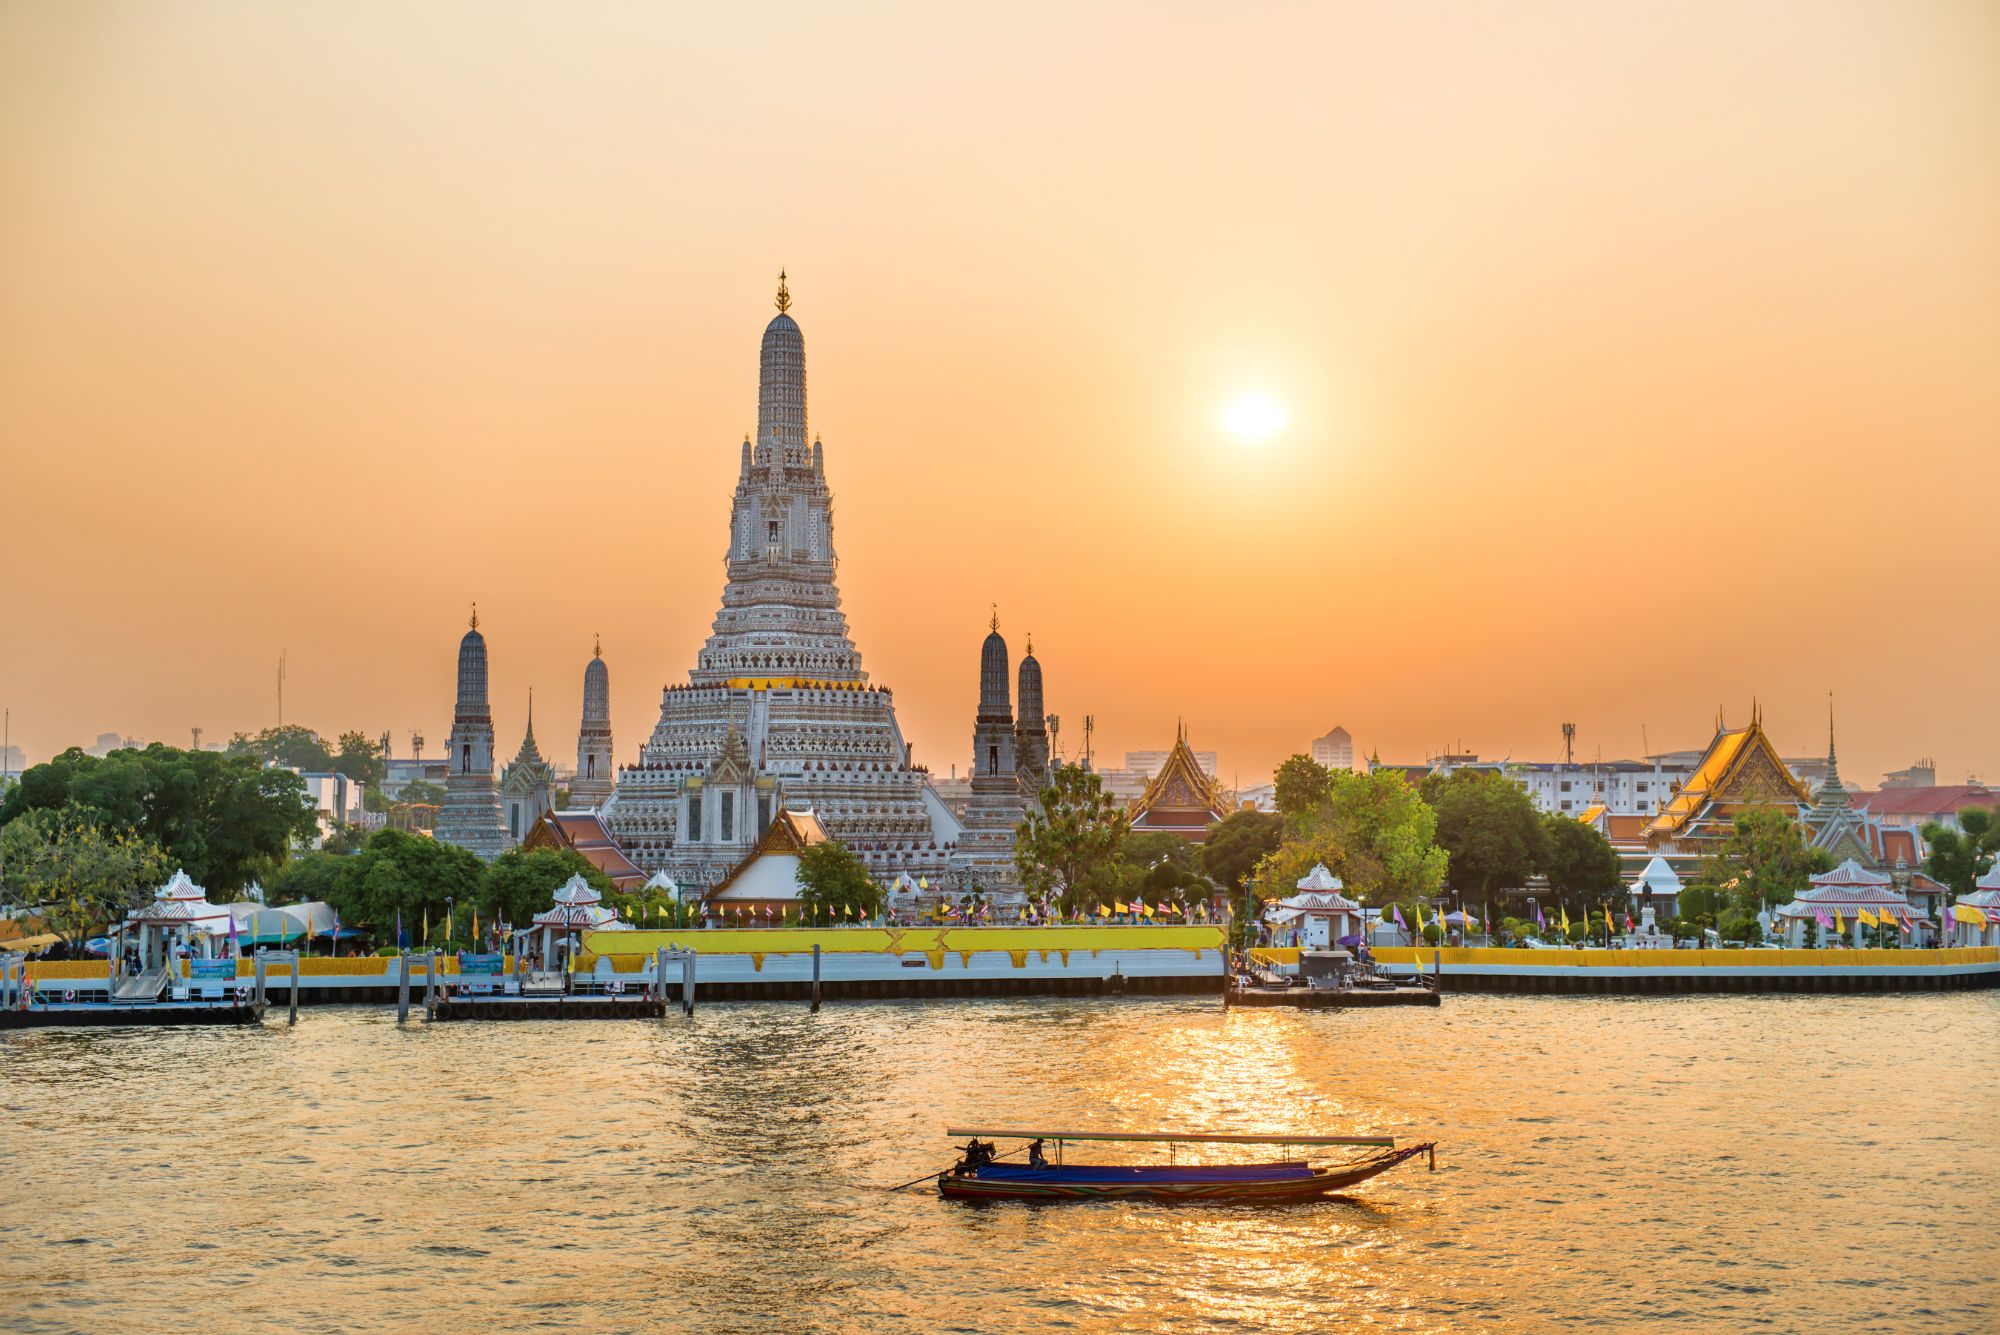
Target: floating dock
[
  {"x": 1331, "y": 998},
  {"x": 72, "y": 1014}
]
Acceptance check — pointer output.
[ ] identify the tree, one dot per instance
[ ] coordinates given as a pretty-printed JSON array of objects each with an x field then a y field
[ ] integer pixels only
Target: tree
[
  {"x": 1373, "y": 830},
  {"x": 222, "y": 818},
  {"x": 1490, "y": 829},
  {"x": 1161, "y": 867},
  {"x": 1236, "y": 844},
  {"x": 1581, "y": 866},
  {"x": 1960, "y": 857},
  {"x": 1069, "y": 843},
  {"x": 416, "y": 790},
  {"x": 292, "y": 745},
  {"x": 1301, "y": 785},
  {"x": 834, "y": 884},
  {"x": 522, "y": 882},
  {"x": 406, "y": 873},
  {"x": 81, "y": 871},
  {"x": 311, "y": 878},
  {"x": 1763, "y": 860},
  {"x": 360, "y": 759}
]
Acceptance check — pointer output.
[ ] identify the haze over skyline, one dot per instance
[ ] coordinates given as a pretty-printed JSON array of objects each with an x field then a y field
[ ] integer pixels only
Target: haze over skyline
[{"x": 1633, "y": 362}]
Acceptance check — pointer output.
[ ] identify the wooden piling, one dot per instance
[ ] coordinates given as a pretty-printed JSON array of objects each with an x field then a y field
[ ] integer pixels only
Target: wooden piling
[{"x": 815, "y": 991}]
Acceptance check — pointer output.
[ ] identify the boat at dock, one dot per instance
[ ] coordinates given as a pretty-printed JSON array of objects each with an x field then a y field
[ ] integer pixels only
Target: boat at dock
[
  {"x": 980, "y": 1176},
  {"x": 1327, "y": 979}
]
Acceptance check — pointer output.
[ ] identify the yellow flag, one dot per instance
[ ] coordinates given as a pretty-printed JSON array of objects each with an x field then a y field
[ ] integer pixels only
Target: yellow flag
[
  {"x": 1607, "y": 920},
  {"x": 1420, "y": 916},
  {"x": 1866, "y": 919},
  {"x": 1839, "y": 923},
  {"x": 1565, "y": 914},
  {"x": 1103, "y": 910}
]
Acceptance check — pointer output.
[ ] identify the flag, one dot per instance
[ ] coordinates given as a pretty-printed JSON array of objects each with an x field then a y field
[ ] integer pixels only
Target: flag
[
  {"x": 475, "y": 929},
  {"x": 427, "y": 924},
  {"x": 1608, "y": 928},
  {"x": 1398, "y": 912},
  {"x": 1839, "y": 923},
  {"x": 1904, "y": 923},
  {"x": 1866, "y": 919},
  {"x": 1539, "y": 921},
  {"x": 1628, "y": 920},
  {"x": 1420, "y": 917},
  {"x": 1103, "y": 910}
]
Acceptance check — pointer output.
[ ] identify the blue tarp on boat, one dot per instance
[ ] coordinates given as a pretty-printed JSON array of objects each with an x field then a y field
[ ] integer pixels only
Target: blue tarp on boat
[{"x": 1252, "y": 1172}]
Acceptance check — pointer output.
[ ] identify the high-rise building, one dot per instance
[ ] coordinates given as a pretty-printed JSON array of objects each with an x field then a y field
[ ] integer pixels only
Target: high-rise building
[
  {"x": 1335, "y": 750},
  {"x": 777, "y": 712},
  {"x": 470, "y": 816}
]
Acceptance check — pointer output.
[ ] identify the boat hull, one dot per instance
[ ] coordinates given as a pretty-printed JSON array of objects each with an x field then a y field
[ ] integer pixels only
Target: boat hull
[{"x": 1209, "y": 1186}]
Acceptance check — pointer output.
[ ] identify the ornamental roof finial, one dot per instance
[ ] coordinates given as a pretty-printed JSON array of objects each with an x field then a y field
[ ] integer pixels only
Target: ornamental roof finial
[
  {"x": 784, "y": 295},
  {"x": 598, "y": 650},
  {"x": 1031, "y": 644},
  {"x": 995, "y": 623},
  {"x": 475, "y": 616}
]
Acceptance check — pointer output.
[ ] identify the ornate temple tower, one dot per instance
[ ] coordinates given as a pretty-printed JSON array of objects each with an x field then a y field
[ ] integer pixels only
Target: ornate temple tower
[
  {"x": 985, "y": 857},
  {"x": 470, "y": 816},
  {"x": 1031, "y": 731},
  {"x": 595, "y": 779},
  {"x": 527, "y": 785},
  {"x": 777, "y": 710}
]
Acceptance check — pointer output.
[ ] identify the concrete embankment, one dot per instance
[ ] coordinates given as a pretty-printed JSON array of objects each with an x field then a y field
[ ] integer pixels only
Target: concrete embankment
[{"x": 1648, "y": 972}]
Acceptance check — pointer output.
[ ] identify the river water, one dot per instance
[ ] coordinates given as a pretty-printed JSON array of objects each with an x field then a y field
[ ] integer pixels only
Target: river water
[{"x": 1699, "y": 1163}]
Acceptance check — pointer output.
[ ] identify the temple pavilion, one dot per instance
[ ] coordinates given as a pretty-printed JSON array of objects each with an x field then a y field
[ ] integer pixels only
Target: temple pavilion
[
  {"x": 180, "y": 913},
  {"x": 764, "y": 887},
  {"x": 1836, "y": 899},
  {"x": 1985, "y": 899},
  {"x": 578, "y": 909},
  {"x": 1658, "y": 887},
  {"x": 1182, "y": 798},
  {"x": 583, "y": 832},
  {"x": 1318, "y": 915}
]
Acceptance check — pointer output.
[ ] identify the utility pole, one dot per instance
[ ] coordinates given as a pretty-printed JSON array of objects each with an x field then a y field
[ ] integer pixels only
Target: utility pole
[{"x": 281, "y": 688}]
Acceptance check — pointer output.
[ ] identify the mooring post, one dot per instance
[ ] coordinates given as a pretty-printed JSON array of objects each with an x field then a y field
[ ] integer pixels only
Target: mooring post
[
  {"x": 292, "y": 1002},
  {"x": 660, "y": 979},
  {"x": 1437, "y": 969},
  {"x": 402, "y": 989},
  {"x": 257, "y": 972},
  {"x": 430, "y": 984},
  {"x": 687, "y": 983},
  {"x": 815, "y": 1004}
]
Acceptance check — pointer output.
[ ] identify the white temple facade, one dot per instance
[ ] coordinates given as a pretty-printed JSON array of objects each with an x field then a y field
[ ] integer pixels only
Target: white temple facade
[
  {"x": 594, "y": 781},
  {"x": 778, "y": 709}
]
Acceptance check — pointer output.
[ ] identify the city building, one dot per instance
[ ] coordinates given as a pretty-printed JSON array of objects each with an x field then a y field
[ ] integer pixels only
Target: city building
[
  {"x": 1923, "y": 774},
  {"x": 470, "y": 816},
  {"x": 777, "y": 711},
  {"x": 1911, "y": 808},
  {"x": 1583, "y": 789},
  {"x": 335, "y": 800},
  {"x": 1335, "y": 750}
]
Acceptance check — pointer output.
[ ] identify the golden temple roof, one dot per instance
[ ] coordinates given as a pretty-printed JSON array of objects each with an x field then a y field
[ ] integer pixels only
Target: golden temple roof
[
  {"x": 1181, "y": 785},
  {"x": 1742, "y": 767}
]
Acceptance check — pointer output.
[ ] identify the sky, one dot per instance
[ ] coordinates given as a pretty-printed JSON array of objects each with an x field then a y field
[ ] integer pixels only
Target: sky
[{"x": 1635, "y": 362}]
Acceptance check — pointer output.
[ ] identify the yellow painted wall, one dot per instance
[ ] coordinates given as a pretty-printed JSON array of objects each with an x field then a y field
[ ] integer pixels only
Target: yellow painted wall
[
  {"x": 634, "y": 946},
  {"x": 1682, "y": 959}
]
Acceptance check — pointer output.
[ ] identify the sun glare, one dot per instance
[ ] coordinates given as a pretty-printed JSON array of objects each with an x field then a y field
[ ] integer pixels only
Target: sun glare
[{"x": 1253, "y": 416}]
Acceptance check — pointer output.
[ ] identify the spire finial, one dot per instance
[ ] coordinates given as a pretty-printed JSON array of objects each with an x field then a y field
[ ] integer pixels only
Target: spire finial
[
  {"x": 1031, "y": 644},
  {"x": 598, "y": 650},
  {"x": 475, "y": 616},
  {"x": 995, "y": 623},
  {"x": 784, "y": 294},
  {"x": 531, "y": 711}
]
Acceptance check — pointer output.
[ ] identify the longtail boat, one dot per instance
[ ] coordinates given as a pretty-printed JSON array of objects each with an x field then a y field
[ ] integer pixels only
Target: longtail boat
[{"x": 979, "y": 1176}]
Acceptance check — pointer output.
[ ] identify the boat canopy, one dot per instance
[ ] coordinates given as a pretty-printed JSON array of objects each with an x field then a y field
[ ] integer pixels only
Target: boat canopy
[{"x": 1205, "y": 1138}]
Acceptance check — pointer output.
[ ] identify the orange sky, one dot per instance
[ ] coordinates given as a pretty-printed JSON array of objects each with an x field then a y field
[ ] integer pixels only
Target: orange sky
[{"x": 1639, "y": 357}]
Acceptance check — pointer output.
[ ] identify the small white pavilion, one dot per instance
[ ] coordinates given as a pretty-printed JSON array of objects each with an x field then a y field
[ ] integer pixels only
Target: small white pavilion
[
  {"x": 1658, "y": 887},
  {"x": 1318, "y": 915},
  {"x": 179, "y": 914},
  {"x": 1985, "y": 897},
  {"x": 1836, "y": 898},
  {"x": 578, "y": 909}
]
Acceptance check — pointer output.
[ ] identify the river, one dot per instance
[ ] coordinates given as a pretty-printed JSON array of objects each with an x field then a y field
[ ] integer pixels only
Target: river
[{"x": 1700, "y": 1163}]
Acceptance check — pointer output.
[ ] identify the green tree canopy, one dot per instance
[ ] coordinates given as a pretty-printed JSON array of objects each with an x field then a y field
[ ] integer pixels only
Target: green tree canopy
[
  {"x": 834, "y": 884},
  {"x": 407, "y": 872},
  {"x": 1581, "y": 866},
  {"x": 1373, "y": 830},
  {"x": 1302, "y": 784},
  {"x": 224, "y": 819},
  {"x": 1764, "y": 859},
  {"x": 80, "y": 870},
  {"x": 291, "y": 745},
  {"x": 1236, "y": 844},
  {"x": 1960, "y": 857},
  {"x": 1069, "y": 844},
  {"x": 360, "y": 759},
  {"x": 1490, "y": 829},
  {"x": 522, "y": 882}
]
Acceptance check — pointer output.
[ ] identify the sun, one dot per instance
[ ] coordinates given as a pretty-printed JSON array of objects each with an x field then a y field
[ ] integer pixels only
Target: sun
[{"x": 1254, "y": 416}]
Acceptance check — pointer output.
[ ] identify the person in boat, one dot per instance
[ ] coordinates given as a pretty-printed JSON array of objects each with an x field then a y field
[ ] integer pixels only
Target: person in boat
[
  {"x": 978, "y": 1153},
  {"x": 1036, "y": 1159}
]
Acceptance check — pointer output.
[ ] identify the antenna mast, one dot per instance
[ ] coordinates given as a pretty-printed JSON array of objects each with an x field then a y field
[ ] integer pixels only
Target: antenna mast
[
  {"x": 281, "y": 688},
  {"x": 1569, "y": 745}
]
